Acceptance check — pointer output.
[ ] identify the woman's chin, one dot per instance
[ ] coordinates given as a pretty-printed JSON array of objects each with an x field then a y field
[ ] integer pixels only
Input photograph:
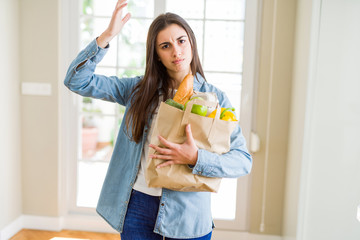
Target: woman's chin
[{"x": 182, "y": 68}]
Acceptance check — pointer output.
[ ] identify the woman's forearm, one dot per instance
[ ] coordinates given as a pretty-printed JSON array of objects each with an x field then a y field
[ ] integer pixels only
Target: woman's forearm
[{"x": 104, "y": 39}]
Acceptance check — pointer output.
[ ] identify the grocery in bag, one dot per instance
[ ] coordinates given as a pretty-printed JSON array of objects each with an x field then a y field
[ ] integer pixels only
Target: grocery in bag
[{"x": 210, "y": 133}]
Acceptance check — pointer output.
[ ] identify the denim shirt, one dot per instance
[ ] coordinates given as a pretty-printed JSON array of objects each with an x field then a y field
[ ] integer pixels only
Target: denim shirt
[{"x": 181, "y": 214}]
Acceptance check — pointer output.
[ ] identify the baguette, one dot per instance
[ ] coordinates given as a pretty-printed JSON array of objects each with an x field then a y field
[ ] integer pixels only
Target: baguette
[{"x": 185, "y": 90}]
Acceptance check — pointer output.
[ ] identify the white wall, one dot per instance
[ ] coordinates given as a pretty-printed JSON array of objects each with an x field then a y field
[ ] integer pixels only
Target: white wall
[
  {"x": 330, "y": 173},
  {"x": 10, "y": 157}
]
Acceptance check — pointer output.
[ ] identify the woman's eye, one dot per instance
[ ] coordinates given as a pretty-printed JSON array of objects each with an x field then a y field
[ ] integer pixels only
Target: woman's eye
[
  {"x": 165, "y": 46},
  {"x": 181, "y": 40}
]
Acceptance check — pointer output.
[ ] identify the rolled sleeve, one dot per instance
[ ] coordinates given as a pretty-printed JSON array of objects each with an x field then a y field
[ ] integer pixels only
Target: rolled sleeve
[
  {"x": 91, "y": 52},
  {"x": 94, "y": 52},
  {"x": 97, "y": 54},
  {"x": 202, "y": 166},
  {"x": 80, "y": 77},
  {"x": 235, "y": 163}
]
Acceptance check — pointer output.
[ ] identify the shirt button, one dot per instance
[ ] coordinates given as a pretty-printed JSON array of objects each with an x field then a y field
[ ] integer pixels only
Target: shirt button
[
  {"x": 199, "y": 172},
  {"x": 162, "y": 204}
]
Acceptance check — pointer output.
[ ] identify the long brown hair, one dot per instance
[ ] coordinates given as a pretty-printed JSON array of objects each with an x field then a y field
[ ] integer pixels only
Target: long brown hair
[{"x": 156, "y": 81}]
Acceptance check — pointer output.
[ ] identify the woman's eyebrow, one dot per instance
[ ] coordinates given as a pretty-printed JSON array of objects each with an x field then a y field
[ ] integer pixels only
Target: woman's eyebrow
[{"x": 176, "y": 39}]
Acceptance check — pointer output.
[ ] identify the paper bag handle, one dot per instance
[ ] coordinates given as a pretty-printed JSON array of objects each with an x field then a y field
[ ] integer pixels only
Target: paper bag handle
[{"x": 187, "y": 112}]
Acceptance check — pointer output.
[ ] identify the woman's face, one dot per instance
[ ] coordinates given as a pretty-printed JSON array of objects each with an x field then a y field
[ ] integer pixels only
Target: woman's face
[{"x": 174, "y": 49}]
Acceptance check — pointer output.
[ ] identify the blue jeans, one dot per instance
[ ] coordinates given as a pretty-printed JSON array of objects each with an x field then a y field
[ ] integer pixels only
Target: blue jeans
[{"x": 141, "y": 216}]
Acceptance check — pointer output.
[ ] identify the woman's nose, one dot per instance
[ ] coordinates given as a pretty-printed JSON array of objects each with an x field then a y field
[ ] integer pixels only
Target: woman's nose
[{"x": 177, "y": 51}]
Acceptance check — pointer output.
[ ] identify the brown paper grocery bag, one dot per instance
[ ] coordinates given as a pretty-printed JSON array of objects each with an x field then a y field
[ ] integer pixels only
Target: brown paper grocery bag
[{"x": 211, "y": 134}]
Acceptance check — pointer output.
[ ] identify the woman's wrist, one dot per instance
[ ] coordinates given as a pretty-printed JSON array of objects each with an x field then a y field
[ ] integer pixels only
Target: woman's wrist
[{"x": 104, "y": 39}]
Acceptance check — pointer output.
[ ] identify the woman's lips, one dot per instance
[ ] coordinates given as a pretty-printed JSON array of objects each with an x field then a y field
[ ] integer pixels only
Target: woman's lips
[{"x": 177, "y": 61}]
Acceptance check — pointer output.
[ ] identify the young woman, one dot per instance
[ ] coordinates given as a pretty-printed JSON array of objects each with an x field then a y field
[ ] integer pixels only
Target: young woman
[{"x": 126, "y": 202}]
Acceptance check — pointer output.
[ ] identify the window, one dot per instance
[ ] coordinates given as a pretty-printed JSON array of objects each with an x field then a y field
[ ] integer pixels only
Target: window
[{"x": 219, "y": 29}]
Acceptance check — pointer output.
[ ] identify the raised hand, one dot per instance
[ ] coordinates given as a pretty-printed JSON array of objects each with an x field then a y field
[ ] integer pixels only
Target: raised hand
[
  {"x": 185, "y": 153},
  {"x": 115, "y": 25}
]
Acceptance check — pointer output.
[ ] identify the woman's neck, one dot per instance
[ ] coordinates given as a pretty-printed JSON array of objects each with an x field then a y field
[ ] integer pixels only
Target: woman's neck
[{"x": 178, "y": 77}]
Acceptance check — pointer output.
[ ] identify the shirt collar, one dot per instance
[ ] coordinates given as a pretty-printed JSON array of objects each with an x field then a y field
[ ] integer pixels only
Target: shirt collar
[{"x": 198, "y": 81}]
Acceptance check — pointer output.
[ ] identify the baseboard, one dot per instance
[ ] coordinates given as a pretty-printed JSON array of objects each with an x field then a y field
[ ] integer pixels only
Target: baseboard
[
  {"x": 31, "y": 222},
  {"x": 97, "y": 224},
  {"x": 42, "y": 222},
  {"x": 71, "y": 222},
  {"x": 289, "y": 238},
  {"x": 87, "y": 223},
  {"x": 236, "y": 235},
  {"x": 265, "y": 237},
  {"x": 11, "y": 229}
]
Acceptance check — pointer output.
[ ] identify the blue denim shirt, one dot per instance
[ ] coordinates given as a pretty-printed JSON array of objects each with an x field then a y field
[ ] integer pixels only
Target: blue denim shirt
[{"x": 181, "y": 214}]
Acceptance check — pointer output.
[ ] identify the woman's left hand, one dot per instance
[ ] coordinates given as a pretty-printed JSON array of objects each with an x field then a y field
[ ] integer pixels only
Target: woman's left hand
[{"x": 173, "y": 153}]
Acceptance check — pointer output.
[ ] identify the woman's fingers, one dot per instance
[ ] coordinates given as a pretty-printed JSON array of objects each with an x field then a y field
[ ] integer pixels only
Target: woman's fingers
[
  {"x": 117, "y": 21},
  {"x": 115, "y": 25},
  {"x": 174, "y": 153},
  {"x": 126, "y": 18},
  {"x": 120, "y": 7},
  {"x": 119, "y": 3},
  {"x": 189, "y": 136},
  {"x": 118, "y": 10},
  {"x": 166, "y": 143},
  {"x": 160, "y": 156},
  {"x": 164, "y": 164},
  {"x": 160, "y": 150}
]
